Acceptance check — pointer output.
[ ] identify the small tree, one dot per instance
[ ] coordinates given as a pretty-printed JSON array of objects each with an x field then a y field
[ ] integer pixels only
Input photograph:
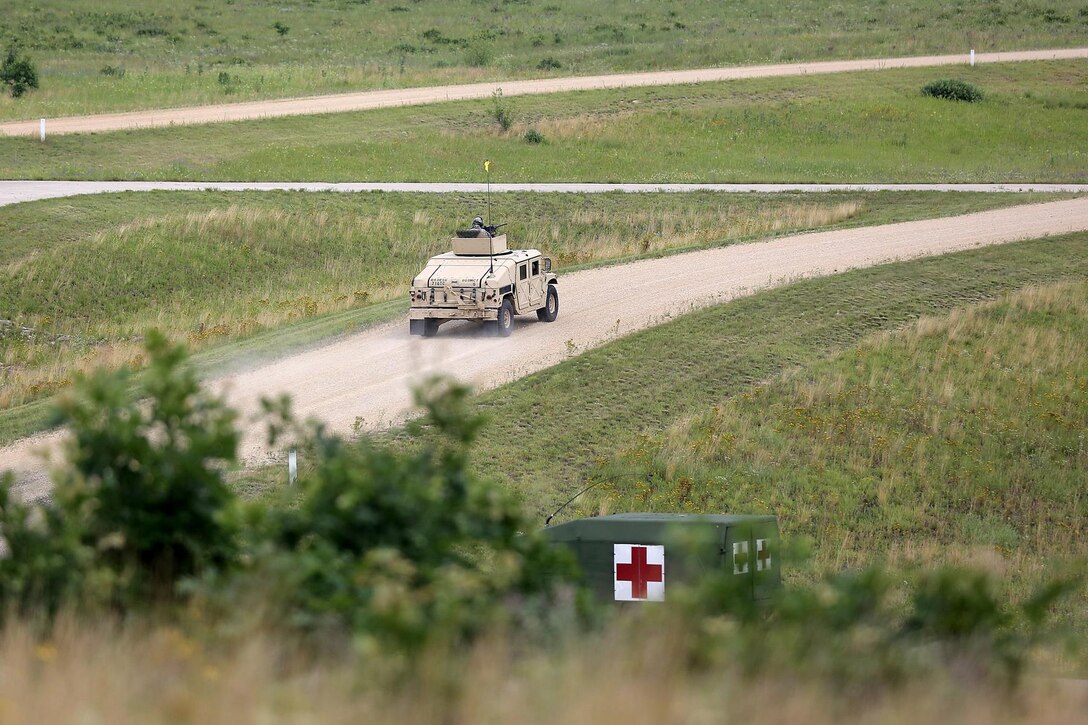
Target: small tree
[
  {"x": 145, "y": 485},
  {"x": 405, "y": 548},
  {"x": 18, "y": 73},
  {"x": 501, "y": 111}
]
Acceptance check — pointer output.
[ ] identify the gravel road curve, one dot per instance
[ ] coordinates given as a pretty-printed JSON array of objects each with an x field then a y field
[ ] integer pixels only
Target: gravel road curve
[
  {"x": 370, "y": 374},
  {"x": 366, "y": 100}
]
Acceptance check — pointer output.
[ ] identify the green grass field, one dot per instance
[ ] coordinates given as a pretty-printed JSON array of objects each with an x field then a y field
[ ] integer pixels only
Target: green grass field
[
  {"x": 110, "y": 55},
  {"x": 858, "y": 127},
  {"x": 86, "y": 277},
  {"x": 966, "y": 429}
]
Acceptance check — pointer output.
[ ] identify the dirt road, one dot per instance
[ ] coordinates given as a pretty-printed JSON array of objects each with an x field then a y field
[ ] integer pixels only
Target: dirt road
[
  {"x": 369, "y": 375},
  {"x": 16, "y": 192},
  {"x": 419, "y": 96}
]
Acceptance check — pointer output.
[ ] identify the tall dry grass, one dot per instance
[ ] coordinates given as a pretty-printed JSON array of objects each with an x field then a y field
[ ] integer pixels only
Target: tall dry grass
[{"x": 146, "y": 674}]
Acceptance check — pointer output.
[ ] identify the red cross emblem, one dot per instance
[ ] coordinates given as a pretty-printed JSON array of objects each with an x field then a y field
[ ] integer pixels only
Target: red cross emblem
[
  {"x": 639, "y": 572},
  {"x": 763, "y": 555}
]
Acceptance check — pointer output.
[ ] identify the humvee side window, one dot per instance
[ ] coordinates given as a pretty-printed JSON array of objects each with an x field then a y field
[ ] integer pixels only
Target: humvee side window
[
  {"x": 536, "y": 267},
  {"x": 524, "y": 271}
]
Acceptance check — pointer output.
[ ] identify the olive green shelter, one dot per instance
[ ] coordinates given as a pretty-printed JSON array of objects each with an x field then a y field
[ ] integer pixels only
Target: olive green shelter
[{"x": 637, "y": 557}]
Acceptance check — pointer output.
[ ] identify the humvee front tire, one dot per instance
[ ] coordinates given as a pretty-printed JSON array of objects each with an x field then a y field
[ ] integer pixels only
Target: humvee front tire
[
  {"x": 505, "y": 323},
  {"x": 550, "y": 310}
]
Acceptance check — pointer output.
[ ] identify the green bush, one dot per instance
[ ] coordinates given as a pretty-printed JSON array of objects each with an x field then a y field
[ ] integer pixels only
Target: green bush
[
  {"x": 141, "y": 505},
  {"x": 549, "y": 64},
  {"x": 854, "y": 627},
  {"x": 501, "y": 111},
  {"x": 144, "y": 484},
  {"x": 398, "y": 548},
  {"x": 953, "y": 90},
  {"x": 404, "y": 548},
  {"x": 534, "y": 136},
  {"x": 478, "y": 55},
  {"x": 42, "y": 560},
  {"x": 18, "y": 73}
]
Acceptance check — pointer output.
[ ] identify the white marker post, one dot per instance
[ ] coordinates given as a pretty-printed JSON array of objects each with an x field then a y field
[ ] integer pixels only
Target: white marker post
[
  {"x": 972, "y": 57},
  {"x": 292, "y": 467},
  {"x": 43, "y": 130}
]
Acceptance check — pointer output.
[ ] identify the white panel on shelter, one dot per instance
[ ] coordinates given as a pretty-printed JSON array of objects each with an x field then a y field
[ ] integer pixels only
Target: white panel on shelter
[
  {"x": 638, "y": 571},
  {"x": 763, "y": 555},
  {"x": 740, "y": 557}
]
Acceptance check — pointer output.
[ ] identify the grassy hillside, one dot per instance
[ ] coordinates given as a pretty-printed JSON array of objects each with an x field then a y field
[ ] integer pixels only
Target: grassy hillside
[
  {"x": 870, "y": 126},
  {"x": 960, "y": 430},
  {"x": 929, "y": 411},
  {"x": 110, "y": 55},
  {"x": 622, "y": 397},
  {"x": 84, "y": 278}
]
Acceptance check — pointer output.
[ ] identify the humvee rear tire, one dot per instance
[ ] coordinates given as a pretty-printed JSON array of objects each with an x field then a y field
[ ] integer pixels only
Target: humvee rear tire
[
  {"x": 550, "y": 310},
  {"x": 506, "y": 318},
  {"x": 430, "y": 328}
]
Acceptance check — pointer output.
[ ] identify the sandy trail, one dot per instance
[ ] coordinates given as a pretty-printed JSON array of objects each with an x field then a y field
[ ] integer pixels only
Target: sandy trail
[
  {"x": 369, "y": 375},
  {"x": 366, "y": 100}
]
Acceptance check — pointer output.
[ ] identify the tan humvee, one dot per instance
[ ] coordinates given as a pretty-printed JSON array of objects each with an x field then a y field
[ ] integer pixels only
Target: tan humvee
[{"x": 482, "y": 279}]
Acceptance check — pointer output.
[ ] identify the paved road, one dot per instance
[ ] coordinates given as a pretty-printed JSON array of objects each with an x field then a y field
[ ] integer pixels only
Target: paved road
[
  {"x": 370, "y": 374},
  {"x": 419, "y": 96},
  {"x": 14, "y": 192}
]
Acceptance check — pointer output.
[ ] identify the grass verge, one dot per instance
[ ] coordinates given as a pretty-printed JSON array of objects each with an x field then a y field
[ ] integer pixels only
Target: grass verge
[
  {"x": 247, "y": 275},
  {"x": 856, "y": 127},
  {"x": 112, "y": 55}
]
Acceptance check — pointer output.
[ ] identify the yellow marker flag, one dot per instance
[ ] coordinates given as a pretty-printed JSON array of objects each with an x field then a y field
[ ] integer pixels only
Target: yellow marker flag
[{"x": 487, "y": 166}]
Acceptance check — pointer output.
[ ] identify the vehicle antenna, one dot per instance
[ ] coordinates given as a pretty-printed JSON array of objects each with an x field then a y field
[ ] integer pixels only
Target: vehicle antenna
[
  {"x": 491, "y": 237},
  {"x": 593, "y": 485},
  {"x": 487, "y": 168}
]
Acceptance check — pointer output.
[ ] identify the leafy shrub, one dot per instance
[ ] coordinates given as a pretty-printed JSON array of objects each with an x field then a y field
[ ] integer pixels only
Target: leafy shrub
[
  {"x": 549, "y": 64},
  {"x": 18, "y": 73},
  {"x": 280, "y": 28},
  {"x": 141, "y": 505},
  {"x": 478, "y": 55},
  {"x": 403, "y": 549},
  {"x": 850, "y": 628},
  {"x": 113, "y": 71},
  {"x": 43, "y": 559},
  {"x": 953, "y": 90},
  {"x": 145, "y": 485},
  {"x": 400, "y": 548},
  {"x": 501, "y": 111},
  {"x": 534, "y": 136}
]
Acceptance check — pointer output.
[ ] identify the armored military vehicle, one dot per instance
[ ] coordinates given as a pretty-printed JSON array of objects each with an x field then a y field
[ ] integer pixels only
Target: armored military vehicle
[{"x": 482, "y": 279}]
